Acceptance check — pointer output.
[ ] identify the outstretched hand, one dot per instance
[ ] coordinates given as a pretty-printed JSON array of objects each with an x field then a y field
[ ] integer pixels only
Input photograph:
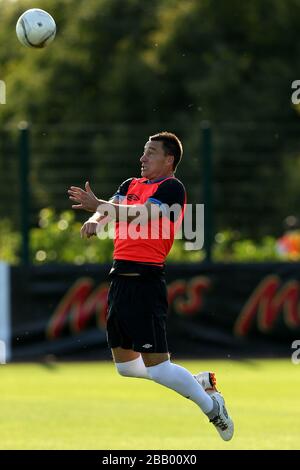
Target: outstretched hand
[{"x": 85, "y": 199}]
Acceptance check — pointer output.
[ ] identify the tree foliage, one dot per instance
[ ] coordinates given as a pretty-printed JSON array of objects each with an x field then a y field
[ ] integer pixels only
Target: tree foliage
[
  {"x": 217, "y": 60},
  {"x": 57, "y": 240},
  {"x": 174, "y": 63}
]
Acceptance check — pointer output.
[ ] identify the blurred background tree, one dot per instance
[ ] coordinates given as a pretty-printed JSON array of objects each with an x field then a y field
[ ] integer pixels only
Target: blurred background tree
[{"x": 120, "y": 70}]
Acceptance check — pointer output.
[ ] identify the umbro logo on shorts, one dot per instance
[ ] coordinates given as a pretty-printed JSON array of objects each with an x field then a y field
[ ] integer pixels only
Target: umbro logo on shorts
[{"x": 147, "y": 346}]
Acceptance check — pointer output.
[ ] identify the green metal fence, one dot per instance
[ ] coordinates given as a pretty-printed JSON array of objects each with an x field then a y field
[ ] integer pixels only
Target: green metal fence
[{"x": 246, "y": 174}]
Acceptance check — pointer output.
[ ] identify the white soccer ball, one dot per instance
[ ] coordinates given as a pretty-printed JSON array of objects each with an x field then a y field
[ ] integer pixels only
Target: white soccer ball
[{"x": 36, "y": 28}]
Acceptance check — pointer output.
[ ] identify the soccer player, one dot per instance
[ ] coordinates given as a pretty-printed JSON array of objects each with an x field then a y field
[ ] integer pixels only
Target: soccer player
[{"x": 147, "y": 212}]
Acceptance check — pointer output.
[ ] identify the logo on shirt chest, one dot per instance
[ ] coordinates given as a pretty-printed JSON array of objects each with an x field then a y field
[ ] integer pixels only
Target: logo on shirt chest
[{"x": 132, "y": 197}]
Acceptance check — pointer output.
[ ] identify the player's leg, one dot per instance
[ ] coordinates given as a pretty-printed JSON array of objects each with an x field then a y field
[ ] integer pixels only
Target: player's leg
[
  {"x": 151, "y": 337},
  {"x": 147, "y": 324},
  {"x": 175, "y": 377},
  {"x": 121, "y": 355},
  {"x": 129, "y": 363},
  {"x": 183, "y": 382},
  {"x": 207, "y": 380},
  {"x": 148, "y": 332}
]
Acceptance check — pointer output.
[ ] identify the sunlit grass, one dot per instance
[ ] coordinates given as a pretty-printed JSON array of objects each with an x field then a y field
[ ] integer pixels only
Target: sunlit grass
[{"x": 89, "y": 406}]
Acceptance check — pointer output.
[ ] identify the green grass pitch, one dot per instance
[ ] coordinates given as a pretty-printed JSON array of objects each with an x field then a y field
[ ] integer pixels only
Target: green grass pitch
[{"x": 89, "y": 406}]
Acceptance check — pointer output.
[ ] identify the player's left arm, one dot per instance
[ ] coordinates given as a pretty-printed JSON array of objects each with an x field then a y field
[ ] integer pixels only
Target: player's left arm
[
  {"x": 168, "y": 194},
  {"x": 168, "y": 200},
  {"x": 170, "y": 197}
]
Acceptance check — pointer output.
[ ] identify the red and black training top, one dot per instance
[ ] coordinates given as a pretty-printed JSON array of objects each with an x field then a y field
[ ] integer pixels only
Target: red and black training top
[{"x": 150, "y": 249}]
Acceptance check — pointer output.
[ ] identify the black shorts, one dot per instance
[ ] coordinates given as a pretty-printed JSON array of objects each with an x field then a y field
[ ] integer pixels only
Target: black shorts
[{"x": 137, "y": 314}]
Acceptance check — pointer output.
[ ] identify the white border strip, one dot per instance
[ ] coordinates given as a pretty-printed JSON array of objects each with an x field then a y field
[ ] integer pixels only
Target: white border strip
[{"x": 5, "y": 312}]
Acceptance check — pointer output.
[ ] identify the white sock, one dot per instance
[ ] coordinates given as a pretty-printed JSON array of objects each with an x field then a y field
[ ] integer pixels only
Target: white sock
[
  {"x": 181, "y": 381},
  {"x": 135, "y": 368}
]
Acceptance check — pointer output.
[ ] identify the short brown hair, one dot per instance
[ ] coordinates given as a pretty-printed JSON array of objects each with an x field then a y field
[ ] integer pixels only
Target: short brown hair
[{"x": 171, "y": 145}]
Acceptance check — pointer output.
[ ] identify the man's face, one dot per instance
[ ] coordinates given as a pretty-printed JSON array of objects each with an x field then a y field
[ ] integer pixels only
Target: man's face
[{"x": 155, "y": 163}]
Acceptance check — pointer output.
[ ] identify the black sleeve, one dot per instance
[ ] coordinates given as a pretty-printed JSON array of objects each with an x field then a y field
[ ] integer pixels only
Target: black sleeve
[
  {"x": 123, "y": 188},
  {"x": 170, "y": 192}
]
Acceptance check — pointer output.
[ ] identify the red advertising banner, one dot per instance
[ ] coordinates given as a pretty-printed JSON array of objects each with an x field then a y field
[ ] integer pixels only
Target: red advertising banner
[{"x": 214, "y": 310}]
